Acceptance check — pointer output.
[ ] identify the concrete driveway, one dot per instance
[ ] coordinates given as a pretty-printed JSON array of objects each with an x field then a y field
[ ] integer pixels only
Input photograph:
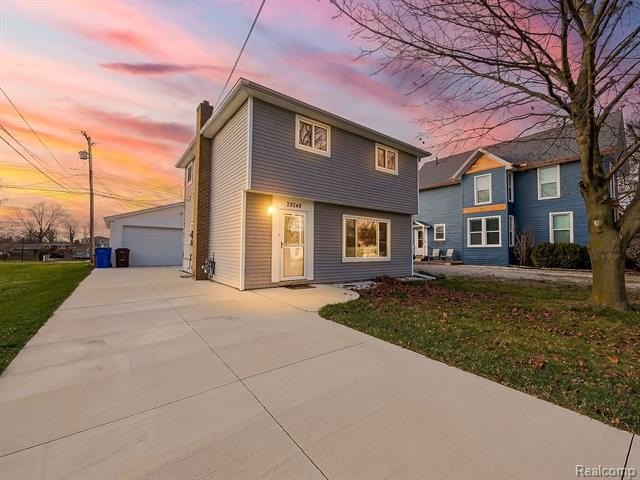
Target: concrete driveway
[{"x": 143, "y": 374}]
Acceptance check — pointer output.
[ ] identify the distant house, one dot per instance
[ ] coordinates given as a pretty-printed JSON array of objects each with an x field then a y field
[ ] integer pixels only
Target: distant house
[
  {"x": 278, "y": 191},
  {"x": 99, "y": 241},
  {"x": 476, "y": 202}
]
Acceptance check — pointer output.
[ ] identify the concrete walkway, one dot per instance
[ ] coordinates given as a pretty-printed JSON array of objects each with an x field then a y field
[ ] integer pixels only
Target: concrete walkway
[{"x": 143, "y": 374}]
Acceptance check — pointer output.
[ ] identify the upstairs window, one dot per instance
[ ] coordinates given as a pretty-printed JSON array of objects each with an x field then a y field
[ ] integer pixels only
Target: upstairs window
[
  {"x": 313, "y": 136},
  {"x": 190, "y": 173},
  {"x": 549, "y": 182},
  {"x": 386, "y": 159},
  {"x": 509, "y": 186},
  {"x": 482, "y": 189},
  {"x": 365, "y": 239}
]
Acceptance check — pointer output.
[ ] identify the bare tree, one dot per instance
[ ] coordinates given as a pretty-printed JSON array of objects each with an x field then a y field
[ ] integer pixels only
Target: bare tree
[
  {"x": 70, "y": 229},
  {"x": 41, "y": 221},
  {"x": 498, "y": 62}
]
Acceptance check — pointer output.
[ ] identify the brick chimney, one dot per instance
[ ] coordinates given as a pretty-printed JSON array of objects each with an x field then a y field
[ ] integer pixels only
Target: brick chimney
[{"x": 202, "y": 181}]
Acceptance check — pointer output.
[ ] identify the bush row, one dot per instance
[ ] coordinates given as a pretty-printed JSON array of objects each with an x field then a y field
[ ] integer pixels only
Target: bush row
[{"x": 560, "y": 255}]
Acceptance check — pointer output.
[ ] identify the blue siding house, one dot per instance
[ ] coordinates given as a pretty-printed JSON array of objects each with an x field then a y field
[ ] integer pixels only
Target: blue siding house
[{"x": 476, "y": 202}]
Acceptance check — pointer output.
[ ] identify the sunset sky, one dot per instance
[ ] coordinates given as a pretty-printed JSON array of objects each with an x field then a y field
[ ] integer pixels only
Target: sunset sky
[{"x": 132, "y": 74}]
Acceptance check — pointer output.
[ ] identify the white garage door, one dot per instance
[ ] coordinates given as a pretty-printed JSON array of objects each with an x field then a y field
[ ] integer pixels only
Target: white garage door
[{"x": 153, "y": 245}]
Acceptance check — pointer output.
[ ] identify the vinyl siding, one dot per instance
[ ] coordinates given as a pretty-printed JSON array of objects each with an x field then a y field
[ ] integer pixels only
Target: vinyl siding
[
  {"x": 498, "y": 186},
  {"x": 348, "y": 177},
  {"x": 328, "y": 265},
  {"x": 188, "y": 225},
  {"x": 258, "y": 241},
  {"x": 487, "y": 255},
  {"x": 228, "y": 179},
  {"x": 533, "y": 214},
  {"x": 443, "y": 205}
]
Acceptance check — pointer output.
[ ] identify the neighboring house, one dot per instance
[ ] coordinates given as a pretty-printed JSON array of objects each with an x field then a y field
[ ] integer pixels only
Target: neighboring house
[
  {"x": 153, "y": 235},
  {"x": 99, "y": 241},
  {"x": 278, "y": 191},
  {"x": 476, "y": 202}
]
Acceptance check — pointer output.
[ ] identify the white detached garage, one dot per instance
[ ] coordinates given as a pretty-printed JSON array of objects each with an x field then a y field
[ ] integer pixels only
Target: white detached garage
[{"x": 153, "y": 235}]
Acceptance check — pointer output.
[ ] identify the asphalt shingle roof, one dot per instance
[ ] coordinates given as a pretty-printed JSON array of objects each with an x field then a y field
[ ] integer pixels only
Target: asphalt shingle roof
[{"x": 554, "y": 144}]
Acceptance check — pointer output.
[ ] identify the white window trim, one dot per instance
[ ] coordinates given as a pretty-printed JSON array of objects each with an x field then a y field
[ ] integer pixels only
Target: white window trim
[
  {"x": 444, "y": 232},
  {"x": 512, "y": 231},
  {"x": 551, "y": 230},
  {"x": 192, "y": 167},
  {"x": 510, "y": 186},
  {"x": 540, "y": 197},
  {"x": 387, "y": 149},
  {"x": 299, "y": 146},
  {"x": 346, "y": 259},
  {"x": 484, "y": 232},
  {"x": 475, "y": 189}
]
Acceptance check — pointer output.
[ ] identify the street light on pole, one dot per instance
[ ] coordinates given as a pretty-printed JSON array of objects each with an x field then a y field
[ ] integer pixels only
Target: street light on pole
[{"x": 87, "y": 155}]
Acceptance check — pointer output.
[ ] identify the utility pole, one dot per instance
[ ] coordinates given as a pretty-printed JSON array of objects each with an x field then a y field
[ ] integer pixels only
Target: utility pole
[{"x": 87, "y": 155}]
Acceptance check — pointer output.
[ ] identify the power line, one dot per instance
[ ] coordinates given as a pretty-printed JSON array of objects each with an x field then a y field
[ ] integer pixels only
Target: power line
[
  {"x": 246, "y": 40},
  {"x": 74, "y": 192},
  {"x": 42, "y": 163},
  {"x": 33, "y": 164},
  {"x": 15, "y": 107}
]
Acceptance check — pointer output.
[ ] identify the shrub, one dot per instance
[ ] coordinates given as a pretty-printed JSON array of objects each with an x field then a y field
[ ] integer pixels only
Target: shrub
[{"x": 560, "y": 255}]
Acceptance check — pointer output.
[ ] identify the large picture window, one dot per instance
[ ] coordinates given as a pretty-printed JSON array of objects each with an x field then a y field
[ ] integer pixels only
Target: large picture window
[
  {"x": 484, "y": 232},
  {"x": 386, "y": 159},
  {"x": 549, "y": 182},
  {"x": 482, "y": 189},
  {"x": 313, "y": 136},
  {"x": 561, "y": 227},
  {"x": 365, "y": 239}
]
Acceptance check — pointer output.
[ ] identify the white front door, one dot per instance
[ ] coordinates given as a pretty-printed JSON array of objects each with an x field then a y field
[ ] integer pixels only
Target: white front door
[
  {"x": 292, "y": 245},
  {"x": 419, "y": 242}
]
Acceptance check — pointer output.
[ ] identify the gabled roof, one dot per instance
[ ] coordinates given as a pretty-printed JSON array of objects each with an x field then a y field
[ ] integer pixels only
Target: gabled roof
[
  {"x": 111, "y": 218},
  {"x": 244, "y": 89},
  {"x": 555, "y": 145}
]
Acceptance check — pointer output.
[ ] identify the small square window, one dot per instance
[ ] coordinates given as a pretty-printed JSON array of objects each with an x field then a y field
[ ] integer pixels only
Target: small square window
[
  {"x": 386, "y": 159},
  {"x": 313, "y": 136}
]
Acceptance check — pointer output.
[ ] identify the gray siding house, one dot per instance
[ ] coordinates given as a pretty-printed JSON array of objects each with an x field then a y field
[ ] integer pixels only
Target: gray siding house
[{"x": 278, "y": 191}]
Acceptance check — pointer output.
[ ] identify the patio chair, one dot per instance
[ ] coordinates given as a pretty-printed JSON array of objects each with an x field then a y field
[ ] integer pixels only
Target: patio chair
[
  {"x": 435, "y": 254},
  {"x": 449, "y": 256}
]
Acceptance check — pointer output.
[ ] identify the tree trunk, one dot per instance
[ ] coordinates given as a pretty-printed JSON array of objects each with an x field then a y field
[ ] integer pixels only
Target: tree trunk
[{"x": 607, "y": 264}]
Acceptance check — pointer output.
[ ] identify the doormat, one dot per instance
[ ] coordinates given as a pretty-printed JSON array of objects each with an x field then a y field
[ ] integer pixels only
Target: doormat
[{"x": 299, "y": 287}]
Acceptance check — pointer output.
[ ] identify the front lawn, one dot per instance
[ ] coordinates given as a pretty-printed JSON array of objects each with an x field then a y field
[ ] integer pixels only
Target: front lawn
[
  {"x": 544, "y": 339},
  {"x": 29, "y": 294}
]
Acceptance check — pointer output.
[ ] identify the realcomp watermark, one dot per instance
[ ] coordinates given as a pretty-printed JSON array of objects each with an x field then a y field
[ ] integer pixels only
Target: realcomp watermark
[{"x": 600, "y": 471}]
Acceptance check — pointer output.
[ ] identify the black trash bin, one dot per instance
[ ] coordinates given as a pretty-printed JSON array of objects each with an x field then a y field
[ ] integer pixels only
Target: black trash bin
[{"x": 122, "y": 257}]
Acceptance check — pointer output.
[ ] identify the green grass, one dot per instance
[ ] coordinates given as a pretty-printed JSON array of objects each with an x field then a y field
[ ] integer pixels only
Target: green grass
[
  {"x": 544, "y": 339},
  {"x": 29, "y": 294}
]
